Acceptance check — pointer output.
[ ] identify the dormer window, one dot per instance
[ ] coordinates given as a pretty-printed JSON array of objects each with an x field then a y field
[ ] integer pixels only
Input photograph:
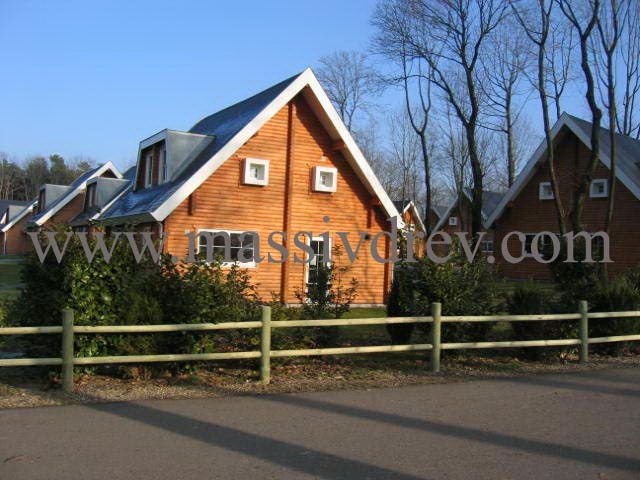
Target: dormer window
[
  {"x": 148, "y": 170},
  {"x": 325, "y": 179},
  {"x": 256, "y": 171},
  {"x": 90, "y": 200},
  {"x": 453, "y": 221},
  {"x": 41, "y": 199}
]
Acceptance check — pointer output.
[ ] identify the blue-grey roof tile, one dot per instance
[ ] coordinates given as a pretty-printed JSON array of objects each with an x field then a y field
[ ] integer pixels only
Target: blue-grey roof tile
[{"x": 223, "y": 126}]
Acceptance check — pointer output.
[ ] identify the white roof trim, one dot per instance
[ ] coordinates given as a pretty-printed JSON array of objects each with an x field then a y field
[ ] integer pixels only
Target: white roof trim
[
  {"x": 446, "y": 214},
  {"x": 415, "y": 211},
  {"x": 68, "y": 196},
  {"x": 529, "y": 169},
  {"x": 19, "y": 216},
  {"x": 354, "y": 155}
]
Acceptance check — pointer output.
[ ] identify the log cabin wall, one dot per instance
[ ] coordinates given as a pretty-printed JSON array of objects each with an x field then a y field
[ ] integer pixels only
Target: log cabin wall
[{"x": 294, "y": 141}]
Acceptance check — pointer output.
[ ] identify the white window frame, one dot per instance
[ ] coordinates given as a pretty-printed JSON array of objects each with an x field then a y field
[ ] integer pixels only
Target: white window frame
[
  {"x": 248, "y": 179},
  {"x": 595, "y": 194},
  {"x": 317, "y": 176},
  {"x": 487, "y": 250},
  {"x": 164, "y": 167},
  {"x": 251, "y": 264},
  {"x": 540, "y": 246},
  {"x": 308, "y": 265},
  {"x": 541, "y": 191},
  {"x": 148, "y": 169},
  {"x": 453, "y": 221}
]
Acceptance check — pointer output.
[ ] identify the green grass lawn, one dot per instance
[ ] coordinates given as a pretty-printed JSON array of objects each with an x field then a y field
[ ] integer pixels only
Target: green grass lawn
[{"x": 373, "y": 312}]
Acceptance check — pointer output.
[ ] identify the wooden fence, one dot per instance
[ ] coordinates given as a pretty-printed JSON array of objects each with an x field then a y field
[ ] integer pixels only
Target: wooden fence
[{"x": 68, "y": 330}]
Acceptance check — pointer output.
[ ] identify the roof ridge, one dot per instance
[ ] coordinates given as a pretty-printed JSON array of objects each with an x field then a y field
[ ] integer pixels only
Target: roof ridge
[{"x": 287, "y": 80}]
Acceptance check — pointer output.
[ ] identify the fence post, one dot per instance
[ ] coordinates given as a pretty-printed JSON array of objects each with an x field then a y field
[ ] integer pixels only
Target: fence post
[
  {"x": 436, "y": 311},
  {"x": 67, "y": 350},
  {"x": 584, "y": 331},
  {"x": 265, "y": 346}
]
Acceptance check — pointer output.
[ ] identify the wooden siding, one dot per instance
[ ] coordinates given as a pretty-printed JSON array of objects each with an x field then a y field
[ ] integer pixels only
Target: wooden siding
[{"x": 294, "y": 141}]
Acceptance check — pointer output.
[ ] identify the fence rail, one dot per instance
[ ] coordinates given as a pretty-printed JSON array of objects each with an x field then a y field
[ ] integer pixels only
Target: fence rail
[{"x": 68, "y": 330}]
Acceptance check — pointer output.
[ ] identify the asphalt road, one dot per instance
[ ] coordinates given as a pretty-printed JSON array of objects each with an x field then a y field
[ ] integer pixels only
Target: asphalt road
[{"x": 583, "y": 426}]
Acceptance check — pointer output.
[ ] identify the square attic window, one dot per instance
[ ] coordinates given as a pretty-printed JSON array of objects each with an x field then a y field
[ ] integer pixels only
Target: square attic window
[
  {"x": 256, "y": 171},
  {"x": 545, "y": 192},
  {"x": 599, "y": 188},
  {"x": 325, "y": 179}
]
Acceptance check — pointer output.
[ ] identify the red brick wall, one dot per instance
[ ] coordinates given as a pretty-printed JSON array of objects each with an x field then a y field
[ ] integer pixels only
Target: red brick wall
[
  {"x": 17, "y": 241},
  {"x": 529, "y": 214}
]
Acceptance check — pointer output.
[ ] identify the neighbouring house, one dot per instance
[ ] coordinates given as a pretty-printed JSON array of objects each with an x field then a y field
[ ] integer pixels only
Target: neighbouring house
[
  {"x": 412, "y": 223},
  {"x": 101, "y": 193},
  {"x": 56, "y": 205},
  {"x": 10, "y": 214},
  {"x": 437, "y": 212},
  {"x": 279, "y": 161},
  {"x": 457, "y": 217},
  {"x": 528, "y": 206},
  {"x": 9, "y": 209}
]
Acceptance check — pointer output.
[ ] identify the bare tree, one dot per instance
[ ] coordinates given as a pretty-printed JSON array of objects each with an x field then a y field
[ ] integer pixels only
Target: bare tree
[
  {"x": 535, "y": 20},
  {"x": 405, "y": 156},
  {"x": 419, "y": 120},
  {"x": 608, "y": 24},
  {"x": 559, "y": 59},
  {"x": 454, "y": 154},
  {"x": 628, "y": 121},
  {"x": 450, "y": 36},
  {"x": 584, "y": 19},
  {"x": 504, "y": 70},
  {"x": 350, "y": 82}
]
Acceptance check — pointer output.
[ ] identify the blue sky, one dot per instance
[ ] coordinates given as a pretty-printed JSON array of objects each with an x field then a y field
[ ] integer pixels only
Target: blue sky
[{"x": 94, "y": 78}]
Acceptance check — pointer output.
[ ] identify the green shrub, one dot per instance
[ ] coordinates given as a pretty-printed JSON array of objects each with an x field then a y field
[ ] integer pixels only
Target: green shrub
[
  {"x": 462, "y": 287},
  {"x": 614, "y": 296},
  {"x": 530, "y": 298},
  {"x": 575, "y": 280},
  {"x": 5, "y": 306},
  {"x": 124, "y": 292},
  {"x": 330, "y": 296}
]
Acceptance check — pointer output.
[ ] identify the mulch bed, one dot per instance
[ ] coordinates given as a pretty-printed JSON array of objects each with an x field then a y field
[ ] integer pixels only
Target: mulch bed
[{"x": 297, "y": 375}]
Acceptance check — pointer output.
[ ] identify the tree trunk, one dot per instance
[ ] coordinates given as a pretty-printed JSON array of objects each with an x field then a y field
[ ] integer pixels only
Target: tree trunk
[
  {"x": 511, "y": 161},
  {"x": 427, "y": 182}
]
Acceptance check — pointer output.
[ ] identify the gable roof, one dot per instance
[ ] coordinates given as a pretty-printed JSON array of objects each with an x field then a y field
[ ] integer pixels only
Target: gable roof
[
  {"x": 439, "y": 210},
  {"x": 71, "y": 192},
  {"x": 489, "y": 202},
  {"x": 19, "y": 216},
  {"x": 229, "y": 129},
  {"x": 404, "y": 205},
  {"x": 106, "y": 190},
  {"x": 628, "y": 154},
  {"x": 11, "y": 208}
]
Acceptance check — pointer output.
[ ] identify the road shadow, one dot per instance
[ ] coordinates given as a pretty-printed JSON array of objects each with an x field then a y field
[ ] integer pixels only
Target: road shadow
[
  {"x": 610, "y": 376},
  {"x": 544, "y": 381},
  {"x": 302, "y": 459},
  {"x": 511, "y": 442}
]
